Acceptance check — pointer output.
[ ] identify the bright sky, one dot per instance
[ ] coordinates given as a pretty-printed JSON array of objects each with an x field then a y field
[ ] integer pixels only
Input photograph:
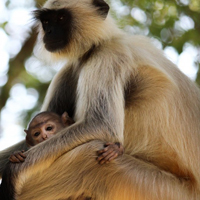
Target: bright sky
[{"x": 18, "y": 17}]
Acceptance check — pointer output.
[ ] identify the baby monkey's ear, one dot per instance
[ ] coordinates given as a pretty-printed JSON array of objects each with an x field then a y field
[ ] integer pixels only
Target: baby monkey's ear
[
  {"x": 66, "y": 120},
  {"x": 29, "y": 142}
]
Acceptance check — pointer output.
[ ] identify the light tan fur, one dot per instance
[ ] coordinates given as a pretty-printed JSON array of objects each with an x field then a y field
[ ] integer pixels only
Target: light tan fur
[{"x": 158, "y": 121}]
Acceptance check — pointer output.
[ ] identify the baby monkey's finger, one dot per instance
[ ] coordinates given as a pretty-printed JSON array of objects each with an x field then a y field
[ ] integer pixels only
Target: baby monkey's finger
[
  {"x": 22, "y": 155},
  {"x": 14, "y": 159},
  {"x": 103, "y": 155},
  {"x": 115, "y": 155},
  {"x": 106, "y": 158},
  {"x": 102, "y": 150},
  {"x": 108, "y": 143},
  {"x": 20, "y": 158}
]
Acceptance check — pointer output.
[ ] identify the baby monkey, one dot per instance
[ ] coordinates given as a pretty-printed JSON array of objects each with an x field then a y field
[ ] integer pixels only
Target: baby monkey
[{"x": 46, "y": 124}]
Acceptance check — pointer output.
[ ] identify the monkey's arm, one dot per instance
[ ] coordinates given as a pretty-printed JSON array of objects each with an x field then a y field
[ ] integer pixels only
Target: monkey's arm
[
  {"x": 5, "y": 154},
  {"x": 99, "y": 116}
]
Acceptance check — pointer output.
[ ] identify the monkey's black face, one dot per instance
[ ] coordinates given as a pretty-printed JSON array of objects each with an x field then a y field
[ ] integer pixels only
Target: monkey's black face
[{"x": 57, "y": 27}]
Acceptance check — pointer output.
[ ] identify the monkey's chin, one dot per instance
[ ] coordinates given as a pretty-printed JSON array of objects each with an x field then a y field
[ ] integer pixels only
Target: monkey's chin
[
  {"x": 51, "y": 48},
  {"x": 54, "y": 47}
]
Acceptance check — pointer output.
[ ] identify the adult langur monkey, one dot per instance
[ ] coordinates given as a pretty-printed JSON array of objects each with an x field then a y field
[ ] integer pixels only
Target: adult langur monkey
[{"x": 117, "y": 88}]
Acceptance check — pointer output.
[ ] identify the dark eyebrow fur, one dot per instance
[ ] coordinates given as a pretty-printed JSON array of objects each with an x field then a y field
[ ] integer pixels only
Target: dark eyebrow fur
[
  {"x": 37, "y": 14},
  {"x": 45, "y": 13}
]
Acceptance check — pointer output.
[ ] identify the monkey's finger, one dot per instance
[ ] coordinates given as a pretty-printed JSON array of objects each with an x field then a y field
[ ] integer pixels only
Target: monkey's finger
[
  {"x": 108, "y": 143},
  {"x": 13, "y": 159},
  {"x": 102, "y": 150},
  {"x": 109, "y": 156},
  {"x": 20, "y": 158},
  {"x": 105, "y": 159},
  {"x": 22, "y": 155},
  {"x": 113, "y": 157},
  {"x": 103, "y": 155}
]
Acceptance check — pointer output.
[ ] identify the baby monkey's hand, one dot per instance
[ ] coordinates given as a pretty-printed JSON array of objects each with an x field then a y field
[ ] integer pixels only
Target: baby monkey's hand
[
  {"x": 110, "y": 152},
  {"x": 17, "y": 157}
]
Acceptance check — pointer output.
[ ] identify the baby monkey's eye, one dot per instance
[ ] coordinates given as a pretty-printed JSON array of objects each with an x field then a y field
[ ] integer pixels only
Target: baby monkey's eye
[
  {"x": 36, "y": 134},
  {"x": 49, "y": 128},
  {"x": 61, "y": 17}
]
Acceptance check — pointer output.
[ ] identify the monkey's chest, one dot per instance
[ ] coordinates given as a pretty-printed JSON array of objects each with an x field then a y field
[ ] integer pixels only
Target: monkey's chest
[{"x": 64, "y": 94}]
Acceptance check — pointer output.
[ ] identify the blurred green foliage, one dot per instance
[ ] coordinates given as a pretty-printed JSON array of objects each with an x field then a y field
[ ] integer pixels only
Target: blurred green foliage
[{"x": 162, "y": 15}]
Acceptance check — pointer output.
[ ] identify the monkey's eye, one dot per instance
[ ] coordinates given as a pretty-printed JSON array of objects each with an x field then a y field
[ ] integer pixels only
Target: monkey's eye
[
  {"x": 49, "y": 128},
  {"x": 61, "y": 17},
  {"x": 36, "y": 134},
  {"x": 45, "y": 21}
]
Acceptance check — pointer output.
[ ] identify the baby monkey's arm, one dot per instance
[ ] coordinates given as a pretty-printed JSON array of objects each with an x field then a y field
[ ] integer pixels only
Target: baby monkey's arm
[{"x": 110, "y": 152}]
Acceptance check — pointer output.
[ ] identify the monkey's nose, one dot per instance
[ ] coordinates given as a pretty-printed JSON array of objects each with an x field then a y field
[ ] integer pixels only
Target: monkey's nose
[
  {"x": 44, "y": 136},
  {"x": 49, "y": 31}
]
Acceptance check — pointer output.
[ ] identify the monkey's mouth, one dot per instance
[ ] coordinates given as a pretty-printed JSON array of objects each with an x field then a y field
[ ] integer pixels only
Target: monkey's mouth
[{"x": 54, "y": 45}]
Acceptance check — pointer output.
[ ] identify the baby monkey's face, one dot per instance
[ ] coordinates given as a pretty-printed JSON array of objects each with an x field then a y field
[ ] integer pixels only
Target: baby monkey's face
[
  {"x": 42, "y": 128},
  {"x": 45, "y": 125}
]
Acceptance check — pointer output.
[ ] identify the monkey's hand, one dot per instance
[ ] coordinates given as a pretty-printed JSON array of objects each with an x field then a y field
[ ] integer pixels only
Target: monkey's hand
[
  {"x": 17, "y": 157},
  {"x": 110, "y": 152}
]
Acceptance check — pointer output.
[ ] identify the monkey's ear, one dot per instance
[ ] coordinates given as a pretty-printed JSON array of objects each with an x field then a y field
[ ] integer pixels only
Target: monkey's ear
[
  {"x": 28, "y": 140},
  {"x": 102, "y": 7},
  {"x": 66, "y": 120},
  {"x": 64, "y": 116},
  {"x": 29, "y": 143}
]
